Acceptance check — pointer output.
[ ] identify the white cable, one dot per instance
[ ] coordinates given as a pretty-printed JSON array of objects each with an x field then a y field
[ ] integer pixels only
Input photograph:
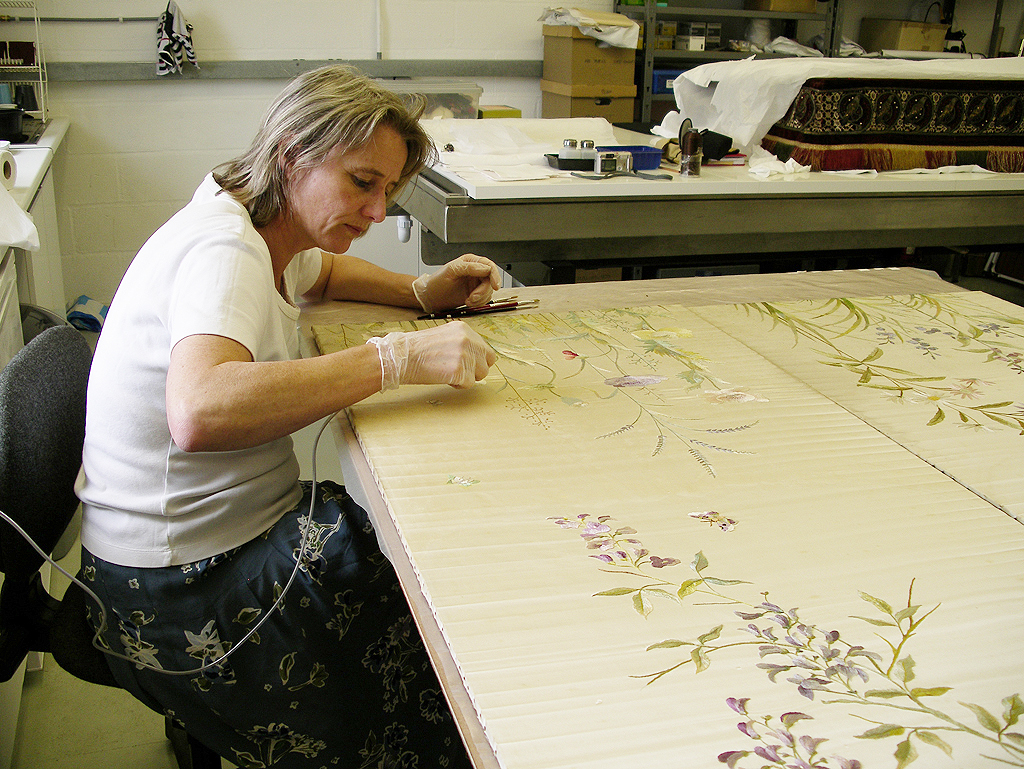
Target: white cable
[{"x": 220, "y": 660}]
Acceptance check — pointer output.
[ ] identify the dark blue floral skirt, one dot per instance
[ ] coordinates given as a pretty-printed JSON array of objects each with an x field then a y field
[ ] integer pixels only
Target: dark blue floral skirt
[{"x": 338, "y": 677}]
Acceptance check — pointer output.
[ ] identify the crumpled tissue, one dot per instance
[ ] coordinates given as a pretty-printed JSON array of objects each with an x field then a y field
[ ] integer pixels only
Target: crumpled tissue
[
  {"x": 16, "y": 227},
  {"x": 613, "y": 29},
  {"x": 764, "y": 164}
]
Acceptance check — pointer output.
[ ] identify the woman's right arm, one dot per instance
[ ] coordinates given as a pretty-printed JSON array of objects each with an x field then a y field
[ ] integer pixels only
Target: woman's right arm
[{"x": 219, "y": 399}]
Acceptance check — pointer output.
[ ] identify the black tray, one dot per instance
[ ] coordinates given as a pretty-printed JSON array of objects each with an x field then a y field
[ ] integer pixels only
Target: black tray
[{"x": 569, "y": 164}]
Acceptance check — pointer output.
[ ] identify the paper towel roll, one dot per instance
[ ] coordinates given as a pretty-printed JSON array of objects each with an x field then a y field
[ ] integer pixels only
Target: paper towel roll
[{"x": 8, "y": 169}]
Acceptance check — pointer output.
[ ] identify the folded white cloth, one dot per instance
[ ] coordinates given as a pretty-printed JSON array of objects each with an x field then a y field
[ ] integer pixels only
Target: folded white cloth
[
  {"x": 613, "y": 29},
  {"x": 173, "y": 41}
]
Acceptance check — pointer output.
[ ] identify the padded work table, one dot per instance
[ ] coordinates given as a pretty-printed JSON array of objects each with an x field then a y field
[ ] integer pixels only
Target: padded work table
[
  {"x": 726, "y": 210},
  {"x": 543, "y": 541}
]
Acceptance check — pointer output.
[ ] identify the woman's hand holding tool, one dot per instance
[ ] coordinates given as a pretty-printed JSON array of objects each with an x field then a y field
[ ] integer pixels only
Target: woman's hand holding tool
[
  {"x": 468, "y": 280},
  {"x": 452, "y": 354}
]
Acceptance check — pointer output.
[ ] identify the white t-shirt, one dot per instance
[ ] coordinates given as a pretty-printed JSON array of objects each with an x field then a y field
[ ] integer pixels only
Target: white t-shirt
[{"x": 146, "y": 502}]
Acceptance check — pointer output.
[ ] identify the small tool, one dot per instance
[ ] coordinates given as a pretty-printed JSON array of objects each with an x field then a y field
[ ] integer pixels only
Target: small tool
[{"x": 495, "y": 305}]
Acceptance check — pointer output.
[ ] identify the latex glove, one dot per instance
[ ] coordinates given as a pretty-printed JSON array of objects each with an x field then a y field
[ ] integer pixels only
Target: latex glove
[
  {"x": 468, "y": 280},
  {"x": 452, "y": 354}
]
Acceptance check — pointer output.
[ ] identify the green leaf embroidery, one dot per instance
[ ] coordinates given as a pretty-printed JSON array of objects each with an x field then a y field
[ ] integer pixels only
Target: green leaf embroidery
[
  {"x": 711, "y": 635},
  {"x": 934, "y": 740},
  {"x": 886, "y": 694},
  {"x": 700, "y": 659},
  {"x": 1013, "y": 709},
  {"x": 905, "y": 669},
  {"x": 936, "y": 691},
  {"x": 905, "y": 754},
  {"x": 699, "y": 562},
  {"x": 878, "y": 603},
  {"x": 882, "y": 732},
  {"x": 688, "y": 587},
  {"x": 985, "y": 718},
  {"x": 670, "y": 643}
]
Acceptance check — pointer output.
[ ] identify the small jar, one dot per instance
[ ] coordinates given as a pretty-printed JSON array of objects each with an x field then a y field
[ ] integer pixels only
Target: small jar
[
  {"x": 691, "y": 148},
  {"x": 570, "y": 150}
]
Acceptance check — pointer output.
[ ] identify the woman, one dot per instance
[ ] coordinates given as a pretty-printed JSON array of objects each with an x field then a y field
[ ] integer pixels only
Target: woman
[{"x": 194, "y": 518}]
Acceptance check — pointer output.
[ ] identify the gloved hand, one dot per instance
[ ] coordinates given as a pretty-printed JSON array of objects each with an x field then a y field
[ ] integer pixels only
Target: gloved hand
[
  {"x": 452, "y": 354},
  {"x": 468, "y": 280}
]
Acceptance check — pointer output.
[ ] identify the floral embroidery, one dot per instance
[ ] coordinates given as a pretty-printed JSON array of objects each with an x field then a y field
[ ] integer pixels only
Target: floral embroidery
[
  {"x": 831, "y": 326},
  {"x": 823, "y": 667},
  {"x": 715, "y": 519}
]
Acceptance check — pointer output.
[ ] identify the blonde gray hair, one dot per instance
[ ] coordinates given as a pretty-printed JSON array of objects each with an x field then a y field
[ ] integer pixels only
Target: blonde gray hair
[{"x": 325, "y": 108}]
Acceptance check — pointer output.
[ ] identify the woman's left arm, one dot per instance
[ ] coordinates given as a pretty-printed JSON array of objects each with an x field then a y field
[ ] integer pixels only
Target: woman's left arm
[
  {"x": 470, "y": 279},
  {"x": 349, "y": 278}
]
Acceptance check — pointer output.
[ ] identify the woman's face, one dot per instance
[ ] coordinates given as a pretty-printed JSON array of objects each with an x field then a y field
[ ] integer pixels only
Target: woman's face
[{"x": 335, "y": 202}]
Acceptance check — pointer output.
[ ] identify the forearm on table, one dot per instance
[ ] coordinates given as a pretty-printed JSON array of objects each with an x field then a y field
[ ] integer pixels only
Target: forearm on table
[
  {"x": 354, "y": 279},
  {"x": 236, "y": 404}
]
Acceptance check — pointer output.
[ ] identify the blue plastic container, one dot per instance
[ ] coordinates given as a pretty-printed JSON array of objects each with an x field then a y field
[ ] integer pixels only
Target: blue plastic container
[{"x": 644, "y": 158}]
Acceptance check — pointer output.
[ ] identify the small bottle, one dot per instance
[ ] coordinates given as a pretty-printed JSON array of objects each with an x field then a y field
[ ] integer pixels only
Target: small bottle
[
  {"x": 691, "y": 147},
  {"x": 570, "y": 150},
  {"x": 587, "y": 150}
]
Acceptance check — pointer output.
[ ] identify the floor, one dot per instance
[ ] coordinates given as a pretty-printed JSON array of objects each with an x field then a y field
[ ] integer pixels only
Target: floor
[{"x": 67, "y": 724}]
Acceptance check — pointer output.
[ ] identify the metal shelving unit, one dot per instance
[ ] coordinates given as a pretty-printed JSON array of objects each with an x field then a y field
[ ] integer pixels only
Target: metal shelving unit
[
  {"x": 653, "y": 11},
  {"x": 25, "y": 11}
]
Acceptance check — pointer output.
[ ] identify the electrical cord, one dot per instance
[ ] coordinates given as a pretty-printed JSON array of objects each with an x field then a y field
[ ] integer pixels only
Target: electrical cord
[{"x": 221, "y": 659}]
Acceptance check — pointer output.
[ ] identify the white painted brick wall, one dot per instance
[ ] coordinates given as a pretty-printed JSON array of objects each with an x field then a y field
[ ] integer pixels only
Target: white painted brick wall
[{"x": 136, "y": 150}]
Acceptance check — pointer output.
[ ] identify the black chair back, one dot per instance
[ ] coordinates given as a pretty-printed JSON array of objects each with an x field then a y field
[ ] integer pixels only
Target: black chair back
[{"x": 42, "y": 429}]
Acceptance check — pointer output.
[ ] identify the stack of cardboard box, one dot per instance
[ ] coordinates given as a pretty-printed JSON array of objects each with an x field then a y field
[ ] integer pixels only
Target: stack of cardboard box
[{"x": 582, "y": 79}]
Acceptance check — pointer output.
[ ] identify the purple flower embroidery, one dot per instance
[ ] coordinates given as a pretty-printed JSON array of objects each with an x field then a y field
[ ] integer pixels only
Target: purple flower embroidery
[{"x": 660, "y": 563}]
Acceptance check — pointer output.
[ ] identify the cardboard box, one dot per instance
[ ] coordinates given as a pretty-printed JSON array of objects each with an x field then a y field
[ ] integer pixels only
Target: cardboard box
[
  {"x": 666, "y": 28},
  {"x": 572, "y": 57},
  {"x": 898, "y": 35},
  {"x": 785, "y": 6},
  {"x": 690, "y": 42},
  {"x": 612, "y": 102}
]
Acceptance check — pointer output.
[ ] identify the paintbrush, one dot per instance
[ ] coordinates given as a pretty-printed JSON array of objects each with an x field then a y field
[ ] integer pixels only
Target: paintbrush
[{"x": 495, "y": 305}]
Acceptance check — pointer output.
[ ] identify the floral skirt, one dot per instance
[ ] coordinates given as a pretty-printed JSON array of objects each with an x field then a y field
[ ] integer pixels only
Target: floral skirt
[{"x": 337, "y": 677}]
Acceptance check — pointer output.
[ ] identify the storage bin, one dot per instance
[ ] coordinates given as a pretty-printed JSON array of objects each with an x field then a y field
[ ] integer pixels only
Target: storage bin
[
  {"x": 644, "y": 158},
  {"x": 662, "y": 80},
  {"x": 444, "y": 97}
]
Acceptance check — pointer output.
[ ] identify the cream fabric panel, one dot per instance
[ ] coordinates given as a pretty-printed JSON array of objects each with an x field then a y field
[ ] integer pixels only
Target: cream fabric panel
[{"x": 639, "y": 533}]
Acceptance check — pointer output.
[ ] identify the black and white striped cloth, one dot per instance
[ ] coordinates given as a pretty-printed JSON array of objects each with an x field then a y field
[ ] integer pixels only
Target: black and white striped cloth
[{"x": 173, "y": 41}]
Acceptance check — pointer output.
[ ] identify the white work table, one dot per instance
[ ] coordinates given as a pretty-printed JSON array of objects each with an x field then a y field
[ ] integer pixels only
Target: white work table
[
  {"x": 726, "y": 210},
  {"x": 33, "y": 161}
]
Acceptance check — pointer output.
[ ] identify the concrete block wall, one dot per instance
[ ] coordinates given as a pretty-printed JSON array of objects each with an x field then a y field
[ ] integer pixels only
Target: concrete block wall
[{"x": 136, "y": 150}]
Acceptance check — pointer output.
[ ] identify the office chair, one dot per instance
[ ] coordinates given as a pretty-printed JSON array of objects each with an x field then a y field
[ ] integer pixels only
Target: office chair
[{"x": 42, "y": 429}]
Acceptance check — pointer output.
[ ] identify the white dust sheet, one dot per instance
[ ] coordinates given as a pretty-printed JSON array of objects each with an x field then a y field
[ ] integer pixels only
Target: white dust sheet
[{"x": 662, "y": 536}]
